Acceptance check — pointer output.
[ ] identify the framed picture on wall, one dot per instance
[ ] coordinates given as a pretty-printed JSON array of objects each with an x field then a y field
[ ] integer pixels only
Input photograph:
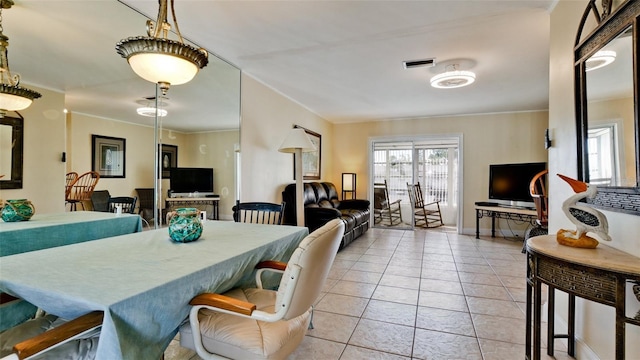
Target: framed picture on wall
[
  {"x": 310, "y": 160},
  {"x": 168, "y": 159},
  {"x": 108, "y": 156}
]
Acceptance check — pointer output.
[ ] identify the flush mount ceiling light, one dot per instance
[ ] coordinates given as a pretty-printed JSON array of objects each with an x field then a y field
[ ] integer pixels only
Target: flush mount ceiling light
[
  {"x": 160, "y": 60},
  {"x": 12, "y": 96},
  {"x": 149, "y": 106},
  {"x": 600, "y": 59},
  {"x": 453, "y": 78},
  {"x": 151, "y": 112}
]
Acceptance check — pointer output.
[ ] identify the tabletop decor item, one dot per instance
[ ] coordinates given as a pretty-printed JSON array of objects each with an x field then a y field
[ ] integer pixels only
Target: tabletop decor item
[
  {"x": 586, "y": 218},
  {"x": 185, "y": 225},
  {"x": 17, "y": 210}
]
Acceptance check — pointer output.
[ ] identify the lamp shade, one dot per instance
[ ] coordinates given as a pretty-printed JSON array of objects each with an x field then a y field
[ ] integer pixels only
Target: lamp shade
[
  {"x": 297, "y": 139},
  {"x": 348, "y": 181}
]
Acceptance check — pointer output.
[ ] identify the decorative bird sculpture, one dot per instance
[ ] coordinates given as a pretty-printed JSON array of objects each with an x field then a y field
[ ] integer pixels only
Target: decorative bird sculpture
[{"x": 586, "y": 218}]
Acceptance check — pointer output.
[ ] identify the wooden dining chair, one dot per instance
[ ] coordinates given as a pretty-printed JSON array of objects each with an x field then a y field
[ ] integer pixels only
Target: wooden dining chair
[
  {"x": 71, "y": 177},
  {"x": 425, "y": 215},
  {"x": 82, "y": 189},
  {"x": 259, "y": 213},
  {"x": 257, "y": 323},
  {"x": 538, "y": 192}
]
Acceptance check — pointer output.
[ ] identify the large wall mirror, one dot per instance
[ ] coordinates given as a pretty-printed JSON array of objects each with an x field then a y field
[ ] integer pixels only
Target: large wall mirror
[
  {"x": 76, "y": 56},
  {"x": 606, "y": 69}
]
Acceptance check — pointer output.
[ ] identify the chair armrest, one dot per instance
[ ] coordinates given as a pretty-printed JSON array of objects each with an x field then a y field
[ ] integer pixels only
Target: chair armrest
[
  {"x": 272, "y": 264},
  {"x": 59, "y": 334},
  {"x": 431, "y": 203},
  {"x": 357, "y": 204},
  {"x": 224, "y": 302}
]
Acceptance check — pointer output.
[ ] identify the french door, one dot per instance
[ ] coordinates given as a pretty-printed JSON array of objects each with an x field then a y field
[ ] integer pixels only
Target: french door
[{"x": 434, "y": 162}]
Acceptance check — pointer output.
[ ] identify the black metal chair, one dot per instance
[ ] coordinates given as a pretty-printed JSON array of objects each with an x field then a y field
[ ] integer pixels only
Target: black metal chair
[
  {"x": 259, "y": 213},
  {"x": 128, "y": 204},
  {"x": 100, "y": 200}
]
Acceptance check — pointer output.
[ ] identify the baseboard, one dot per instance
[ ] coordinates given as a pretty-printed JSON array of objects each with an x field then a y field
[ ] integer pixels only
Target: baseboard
[{"x": 583, "y": 351}]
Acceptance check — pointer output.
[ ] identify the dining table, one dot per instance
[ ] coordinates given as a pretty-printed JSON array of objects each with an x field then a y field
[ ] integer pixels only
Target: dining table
[
  {"x": 144, "y": 281},
  {"x": 57, "y": 229},
  {"x": 48, "y": 230}
]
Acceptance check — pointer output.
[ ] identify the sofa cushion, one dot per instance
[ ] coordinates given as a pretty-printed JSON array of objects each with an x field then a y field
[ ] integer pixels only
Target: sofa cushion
[{"x": 322, "y": 204}]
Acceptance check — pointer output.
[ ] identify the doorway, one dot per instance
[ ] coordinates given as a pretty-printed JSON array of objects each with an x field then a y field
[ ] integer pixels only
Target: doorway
[{"x": 433, "y": 161}]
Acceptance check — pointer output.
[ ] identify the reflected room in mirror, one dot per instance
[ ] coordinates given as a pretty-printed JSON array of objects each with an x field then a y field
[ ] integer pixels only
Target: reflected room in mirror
[
  {"x": 611, "y": 143},
  {"x": 11, "y": 148}
]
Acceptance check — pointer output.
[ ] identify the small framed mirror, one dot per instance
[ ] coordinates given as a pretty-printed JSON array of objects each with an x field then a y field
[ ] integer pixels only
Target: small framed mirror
[
  {"x": 11, "y": 147},
  {"x": 606, "y": 93}
]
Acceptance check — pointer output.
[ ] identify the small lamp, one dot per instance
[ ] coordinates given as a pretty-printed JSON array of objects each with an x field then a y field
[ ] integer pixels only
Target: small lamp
[
  {"x": 298, "y": 142},
  {"x": 348, "y": 185}
]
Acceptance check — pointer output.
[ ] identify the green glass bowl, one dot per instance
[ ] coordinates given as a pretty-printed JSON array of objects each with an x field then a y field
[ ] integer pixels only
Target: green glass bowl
[
  {"x": 185, "y": 225},
  {"x": 17, "y": 210}
]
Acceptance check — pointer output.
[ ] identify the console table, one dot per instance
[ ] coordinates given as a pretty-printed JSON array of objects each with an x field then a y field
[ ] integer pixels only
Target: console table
[
  {"x": 602, "y": 275},
  {"x": 503, "y": 212},
  {"x": 174, "y": 203}
]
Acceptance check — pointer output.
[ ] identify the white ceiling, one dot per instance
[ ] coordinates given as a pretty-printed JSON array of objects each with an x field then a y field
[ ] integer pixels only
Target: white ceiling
[{"x": 340, "y": 59}]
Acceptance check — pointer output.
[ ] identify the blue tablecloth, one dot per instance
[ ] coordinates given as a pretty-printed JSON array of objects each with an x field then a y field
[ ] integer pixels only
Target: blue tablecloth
[
  {"x": 143, "y": 281},
  {"x": 44, "y": 231},
  {"x": 51, "y": 230}
]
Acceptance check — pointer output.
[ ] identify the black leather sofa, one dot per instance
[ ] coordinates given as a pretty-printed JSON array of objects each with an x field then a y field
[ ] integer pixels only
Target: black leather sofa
[{"x": 321, "y": 204}]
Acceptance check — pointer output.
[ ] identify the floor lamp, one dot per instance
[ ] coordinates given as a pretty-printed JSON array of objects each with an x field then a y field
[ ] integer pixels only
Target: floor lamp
[{"x": 298, "y": 142}]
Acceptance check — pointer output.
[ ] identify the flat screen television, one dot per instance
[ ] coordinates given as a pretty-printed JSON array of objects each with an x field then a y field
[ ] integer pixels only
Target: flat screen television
[
  {"x": 191, "y": 180},
  {"x": 510, "y": 182}
]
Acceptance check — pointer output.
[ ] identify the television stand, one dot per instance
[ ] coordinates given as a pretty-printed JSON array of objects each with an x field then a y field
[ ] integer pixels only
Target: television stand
[
  {"x": 200, "y": 203},
  {"x": 503, "y": 212}
]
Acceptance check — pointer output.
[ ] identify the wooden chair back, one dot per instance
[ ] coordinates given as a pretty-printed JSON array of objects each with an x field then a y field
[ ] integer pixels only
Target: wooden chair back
[
  {"x": 259, "y": 213},
  {"x": 71, "y": 177},
  {"x": 538, "y": 191},
  {"x": 82, "y": 189},
  {"x": 426, "y": 215}
]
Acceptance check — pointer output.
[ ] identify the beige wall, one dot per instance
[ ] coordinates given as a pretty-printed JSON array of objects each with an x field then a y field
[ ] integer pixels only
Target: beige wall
[
  {"x": 486, "y": 139},
  {"x": 44, "y": 143},
  {"x": 595, "y": 323},
  {"x": 267, "y": 116}
]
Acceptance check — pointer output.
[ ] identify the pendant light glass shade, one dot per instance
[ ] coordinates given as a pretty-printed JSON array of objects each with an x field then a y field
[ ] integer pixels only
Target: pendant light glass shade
[{"x": 160, "y": 60}]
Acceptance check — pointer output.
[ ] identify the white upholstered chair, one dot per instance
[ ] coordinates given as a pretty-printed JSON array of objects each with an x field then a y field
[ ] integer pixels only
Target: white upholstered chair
[
  {"x": 264, "y": 324},
  {"x": 49, "y": 337}
]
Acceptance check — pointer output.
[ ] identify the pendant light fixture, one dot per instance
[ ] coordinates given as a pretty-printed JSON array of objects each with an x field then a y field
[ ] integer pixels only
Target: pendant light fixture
[
  {"x": 453, "y": 78},
  {"x": 12, "y": 96},
  {"x": 160, "y": 60}
]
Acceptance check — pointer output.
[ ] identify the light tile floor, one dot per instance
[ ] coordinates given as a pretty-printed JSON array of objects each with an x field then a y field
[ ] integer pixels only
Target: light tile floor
[{"x": 424, "y": 294}]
